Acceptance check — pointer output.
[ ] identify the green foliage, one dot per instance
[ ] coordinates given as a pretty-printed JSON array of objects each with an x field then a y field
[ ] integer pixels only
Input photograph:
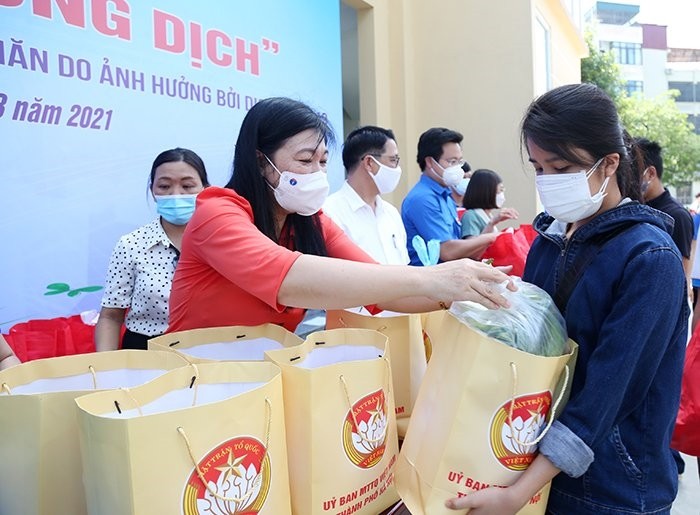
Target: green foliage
[
  {"x": 657, "y": 119},
  {"x": 600, "y": 68}
]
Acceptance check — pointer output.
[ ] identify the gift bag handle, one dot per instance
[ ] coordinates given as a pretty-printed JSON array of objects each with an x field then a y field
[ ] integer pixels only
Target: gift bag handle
[
  {"x": 537, "y": 440},
  {"x": 352, "y": 413},
  {"x": 257, "y": 479},
  {"x": 6, "y": 387},
  {"x": 380, "y": 329}
]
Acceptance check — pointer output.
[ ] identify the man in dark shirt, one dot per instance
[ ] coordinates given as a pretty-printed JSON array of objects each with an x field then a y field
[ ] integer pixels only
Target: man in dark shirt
[{"x": 658, "y": 197}]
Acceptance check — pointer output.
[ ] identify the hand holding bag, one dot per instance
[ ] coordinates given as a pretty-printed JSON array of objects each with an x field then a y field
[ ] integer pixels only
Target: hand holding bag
[{"x": 475, "y": 422}]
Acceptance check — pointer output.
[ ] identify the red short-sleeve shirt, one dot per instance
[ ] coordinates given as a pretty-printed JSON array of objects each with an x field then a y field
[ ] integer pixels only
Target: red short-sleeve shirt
[{"x": 229, "y": 273}]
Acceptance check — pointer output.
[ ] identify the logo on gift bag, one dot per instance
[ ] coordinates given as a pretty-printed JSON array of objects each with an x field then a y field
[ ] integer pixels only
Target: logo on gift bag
[
  {"x": 510, "y": 439},
  {"x": 364, "y": 430},
  {"x": 237, "y": 475}
]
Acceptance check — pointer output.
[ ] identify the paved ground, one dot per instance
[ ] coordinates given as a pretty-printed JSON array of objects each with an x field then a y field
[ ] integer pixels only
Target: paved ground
[{"x": 688, "y": 500}]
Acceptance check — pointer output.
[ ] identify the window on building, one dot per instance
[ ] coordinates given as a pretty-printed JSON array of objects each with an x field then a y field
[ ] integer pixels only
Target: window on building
[
  {"x": 634, "y": 86},
  {"x": 695, "y": 120},
  {"x": 684, "y": 193},
  {"x": 625, "y": 53},
  {"x": 690, "y": 92},
  {"x": 542, "y": 56}
]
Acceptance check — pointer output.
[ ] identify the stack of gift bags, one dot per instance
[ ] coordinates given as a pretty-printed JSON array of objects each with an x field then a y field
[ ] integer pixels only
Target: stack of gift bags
[
  {"x": 235, "y": 420},
  {"x": 255, "y": 420}
]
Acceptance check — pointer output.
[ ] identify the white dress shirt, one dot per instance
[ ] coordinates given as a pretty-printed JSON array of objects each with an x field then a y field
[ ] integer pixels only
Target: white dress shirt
[{"x": 379, "y": 232}]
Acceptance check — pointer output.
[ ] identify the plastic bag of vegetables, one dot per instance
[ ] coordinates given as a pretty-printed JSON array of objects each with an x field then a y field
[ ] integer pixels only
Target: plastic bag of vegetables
[{"x": 532, "y": 323}]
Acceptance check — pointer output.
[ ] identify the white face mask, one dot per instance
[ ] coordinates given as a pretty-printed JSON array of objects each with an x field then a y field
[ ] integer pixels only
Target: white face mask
[
  {"x": 302, "y": 193},
  {"x": 386, "y": 178},
  {"x": 451, "y": 175},
  {"x": 461, "y": 187},
  {"x": 567, "y": 196},
  {"x": 500, "y": 199}
]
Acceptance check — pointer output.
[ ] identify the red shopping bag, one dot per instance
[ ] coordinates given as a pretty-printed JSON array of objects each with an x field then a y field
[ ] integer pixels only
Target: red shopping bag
[
  {"x": 686, "y": 436},
  {"x": 18, "y": 347},
  {"x": 511, "y": 248},
  {"x": 82, "y": 335},
  {"x": 60, "y": 336}
]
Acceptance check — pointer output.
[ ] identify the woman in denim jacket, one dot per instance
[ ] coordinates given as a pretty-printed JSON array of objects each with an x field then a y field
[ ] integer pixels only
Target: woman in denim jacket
[{"x": 608, "y": 452}]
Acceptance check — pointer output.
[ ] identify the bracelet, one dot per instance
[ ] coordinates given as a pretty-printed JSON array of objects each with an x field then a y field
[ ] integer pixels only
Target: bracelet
[{"x": 443, "y": 305}]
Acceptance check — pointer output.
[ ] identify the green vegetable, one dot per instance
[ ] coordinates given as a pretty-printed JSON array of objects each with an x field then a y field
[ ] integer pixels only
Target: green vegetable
[{"x": 532, "y": 323}]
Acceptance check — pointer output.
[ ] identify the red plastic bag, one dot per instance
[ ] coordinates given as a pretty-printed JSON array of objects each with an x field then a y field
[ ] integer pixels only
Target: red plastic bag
[
  {"x": 61, "y": 336},
  {"x": 511, "y": 248},
  {"x": 686, "y": 436}
]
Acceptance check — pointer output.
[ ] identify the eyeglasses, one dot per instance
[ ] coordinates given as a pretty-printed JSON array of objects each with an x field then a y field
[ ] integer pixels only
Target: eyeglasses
[
  {"x": 454, "y": 162},
  {"x": 394, "y": 160}
]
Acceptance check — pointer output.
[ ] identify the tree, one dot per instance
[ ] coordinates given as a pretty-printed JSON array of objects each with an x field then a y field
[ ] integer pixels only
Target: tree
[
  {"x": 657, "y": 119},
  {"x": 600, "y": 68}
]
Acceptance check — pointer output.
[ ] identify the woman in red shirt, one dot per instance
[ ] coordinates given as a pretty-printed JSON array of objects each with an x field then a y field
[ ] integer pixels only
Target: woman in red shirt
[{"x": 260, "y": 251}]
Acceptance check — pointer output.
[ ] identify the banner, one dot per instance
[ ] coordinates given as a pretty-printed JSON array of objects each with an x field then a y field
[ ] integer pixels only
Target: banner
[{"x": 92, "y": 91}]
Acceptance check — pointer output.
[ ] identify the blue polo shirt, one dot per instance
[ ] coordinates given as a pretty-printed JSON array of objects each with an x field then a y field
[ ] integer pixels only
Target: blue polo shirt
[{"x": 429, "y": 211}]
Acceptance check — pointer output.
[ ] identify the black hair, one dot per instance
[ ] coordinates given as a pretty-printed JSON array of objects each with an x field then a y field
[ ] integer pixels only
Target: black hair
[
  {"x": 265, "y": 128},
  {"x": 582, "y": 117},
  {"x": 431, "y": 141},
  {"x": 176, "y": 155},
  {"x": 482, "y": 189},
  {"x": 365, "y": 140},
  {"x": 651, "y": 154}
]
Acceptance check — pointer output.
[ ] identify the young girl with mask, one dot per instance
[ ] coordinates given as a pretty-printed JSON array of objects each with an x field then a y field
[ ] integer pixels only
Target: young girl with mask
[
  {"x": 483, "y": 202},
  {"x": 143, "y": 262},
  {"x": 612, "y": 267},
  {"x": 259, "y": 251}
]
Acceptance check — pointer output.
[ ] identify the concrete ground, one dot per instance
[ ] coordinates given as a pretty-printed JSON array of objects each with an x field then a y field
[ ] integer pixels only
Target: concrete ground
[{"x": 688, "y": 500}]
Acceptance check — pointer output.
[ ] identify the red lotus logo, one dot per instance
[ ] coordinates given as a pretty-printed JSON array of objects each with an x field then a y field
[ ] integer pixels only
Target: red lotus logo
[
  {"x": 364, "y": 430},
  {"x": 237, "y": 475},
  {"x": 511, "y": 439}
]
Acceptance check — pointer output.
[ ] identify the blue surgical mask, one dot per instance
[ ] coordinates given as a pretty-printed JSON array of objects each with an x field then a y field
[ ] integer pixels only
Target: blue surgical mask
[
  {"x": 176, "y": 209},
  {"x": 461, "y": 187}
]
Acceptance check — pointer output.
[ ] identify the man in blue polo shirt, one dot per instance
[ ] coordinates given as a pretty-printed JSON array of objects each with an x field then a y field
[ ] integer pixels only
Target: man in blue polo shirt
[{"x": 429, "y": 210}]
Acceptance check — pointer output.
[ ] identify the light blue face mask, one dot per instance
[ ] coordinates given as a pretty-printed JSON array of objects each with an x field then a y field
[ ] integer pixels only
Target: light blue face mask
[
  {"x": 461, "y": 187},
  {"x": 176, "y": 209}
]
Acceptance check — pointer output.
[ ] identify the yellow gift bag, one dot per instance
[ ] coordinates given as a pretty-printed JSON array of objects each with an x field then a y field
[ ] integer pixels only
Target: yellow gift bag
[
  {"x": 40, "y": 466},
  {"x": 341, "y": 427},
  {"x": 408, "y": 360},
  {"x": 203, "y": 439},
  {"x": 232, "y": 343},
  {"x": 477, "y": 418}
]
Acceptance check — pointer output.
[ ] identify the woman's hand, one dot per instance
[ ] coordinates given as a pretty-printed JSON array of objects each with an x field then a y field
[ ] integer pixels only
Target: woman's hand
[
  {"x": 507, "y": 213},
  {"x": 489, "y": 501},
  {"x": 466, "y": 279}
]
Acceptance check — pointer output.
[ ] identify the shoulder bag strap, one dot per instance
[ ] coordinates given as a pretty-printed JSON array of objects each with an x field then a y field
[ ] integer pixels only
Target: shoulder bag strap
[{"x": 573, "y": 274}]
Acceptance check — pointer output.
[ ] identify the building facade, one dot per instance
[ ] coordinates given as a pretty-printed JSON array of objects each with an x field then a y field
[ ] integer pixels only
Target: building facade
[{"x": 472, "y": 66}]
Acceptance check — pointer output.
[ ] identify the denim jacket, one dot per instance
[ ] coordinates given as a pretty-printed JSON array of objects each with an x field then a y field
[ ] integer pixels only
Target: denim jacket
[{"x": 629, "y": 315}]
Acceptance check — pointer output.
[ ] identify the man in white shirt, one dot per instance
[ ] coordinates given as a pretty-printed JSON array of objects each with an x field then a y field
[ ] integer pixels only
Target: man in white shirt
[{"x": 371, "y": 159}]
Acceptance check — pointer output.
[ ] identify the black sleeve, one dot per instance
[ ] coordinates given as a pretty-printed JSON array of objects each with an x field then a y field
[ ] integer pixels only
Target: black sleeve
[{"x": 683, "y": 232}]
